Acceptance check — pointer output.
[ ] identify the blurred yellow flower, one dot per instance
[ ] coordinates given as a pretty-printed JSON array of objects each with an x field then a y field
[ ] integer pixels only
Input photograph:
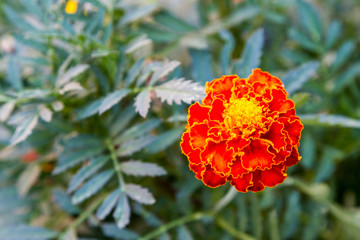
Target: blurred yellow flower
[{"x": 71, "y": 7}]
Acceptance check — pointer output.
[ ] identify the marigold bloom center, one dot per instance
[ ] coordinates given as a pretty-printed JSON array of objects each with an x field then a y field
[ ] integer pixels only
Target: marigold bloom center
[{"x": 243, "y": 114}]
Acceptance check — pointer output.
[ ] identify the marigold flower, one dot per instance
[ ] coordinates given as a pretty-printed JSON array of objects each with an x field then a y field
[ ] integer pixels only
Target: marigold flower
[
  {"x": 246, "y": 132},
  {"x": 71, "y": 7}
]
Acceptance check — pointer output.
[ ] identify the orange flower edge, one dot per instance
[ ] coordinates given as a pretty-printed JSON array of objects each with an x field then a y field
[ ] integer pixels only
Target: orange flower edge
[{"x": 245, "y": 132}]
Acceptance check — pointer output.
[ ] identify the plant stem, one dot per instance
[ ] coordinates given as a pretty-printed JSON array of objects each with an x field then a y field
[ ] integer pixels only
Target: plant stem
[
  {"x": 84, "y": 215},
  {"x": 234, "y": 232},
  {"x": 224, "y": 201},
  {"x": 116, "y": 164},
  {"x": 175, "y": 223}
]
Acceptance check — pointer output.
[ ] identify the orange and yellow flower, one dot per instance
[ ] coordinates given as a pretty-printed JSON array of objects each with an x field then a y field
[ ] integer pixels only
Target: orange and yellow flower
[{"x": 246, "y": 132}]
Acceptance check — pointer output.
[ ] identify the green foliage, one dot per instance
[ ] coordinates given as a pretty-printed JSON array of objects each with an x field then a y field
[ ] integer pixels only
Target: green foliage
[{"x": 93, "y": 105}]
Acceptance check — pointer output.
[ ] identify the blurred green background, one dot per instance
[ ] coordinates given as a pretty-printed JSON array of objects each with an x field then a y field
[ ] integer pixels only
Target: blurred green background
[{"x": 69, "y": 132}]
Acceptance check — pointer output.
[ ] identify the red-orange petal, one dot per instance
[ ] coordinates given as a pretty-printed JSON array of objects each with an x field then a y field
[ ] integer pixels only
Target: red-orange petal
[
  {"x": 198, "y": 169},
  {"x": 193, "y": 154},
  {"x": 221, "y": 88},
  {"x": 217, "y": 109},
  {"x": 274, "y": 176},
  {"x": 198, "y": 135},
  {"x": 257, "y": 155},
  {"x": 211, "y": 178},
  {"x": 257, "y": 185},
  {"x": 218, "y": 156},
  {"x": 275, "y": 135},
  {"x": 264, "y": 77},
  {"x": 279, "y": 103},
  {"x": 197, "y": 113},
  {"x": 294, "y": 158},
  {"x": 243, "y": 183},
  {"x": 237, "y": 169},
  {"x": 293, "y": 127}
]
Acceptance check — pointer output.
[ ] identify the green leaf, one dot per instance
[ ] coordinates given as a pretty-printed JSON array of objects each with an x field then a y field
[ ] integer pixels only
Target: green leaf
[
  {"x": 112, "y": 99},
  {"x": 309, "y": 19},
  {"x": 23, "y": 232},
  {"x": 227, "y": 50},
  {"x": 6, "y": 110},
  {"x": 303, "y": 40},
  {"x": 14, "y": 73},
  {"x": 342, "y": 55},
  {"x": 250, "y": 58},
  {"x": 142, "y": 102},
  {"x": 295, "y": 78},
  {"x": 291, "y": 216},
  {"x": 138, "y": 168},
  {"x": 308, "y": 150},
  {"x": 173, "y": 23},
  {"x": 178, "y": 90},
  {"x": 86, "y": 171},
  {"x": 326, "y": 165},
  {"x": 137, "y": 44},
  {"x": 32, "y": 8},
  {"x": 122, "y": 211},
  {"x": 70, "y": 159},
  {"x": 132, "y": 146},
  {"x": 300, "y": 99},
  {"x": 82, "y": 141},
  {"x": 24, "y": 129},
  {"x": 139, "y": 194},
  {"x": 70, "y": 74},
  {"x": 112, "y": 231},
  {"x": 92, "y": 186},
  {"x": 64, "y": 202},
  {"x": 164, "y": 140},
  {"x": 329, "y": 120},
  {"x": 138, "y": 130},
  {"x": 134, "y": 72},
  {"x": 163, "y": 70},
  {"x": 184, "y": 233},
  {"x": 158, "y": 34},
  {"x": 346, "y": 78},
  {"x": 108, "y": 204},
  {"x": 122, "y": 120},
  {"x": 16, "y": 19},
  {"x": 201, "y": 65},
  {"x": 89, "y": 110},
  {"x": 28, "y": 178},
  {"x": 137, "y": 14},
  {"x": 333, "y": 34}
]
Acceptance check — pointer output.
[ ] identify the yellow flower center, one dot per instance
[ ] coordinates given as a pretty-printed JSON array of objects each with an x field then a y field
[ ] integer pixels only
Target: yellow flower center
[{"x": 243, "y": 114}]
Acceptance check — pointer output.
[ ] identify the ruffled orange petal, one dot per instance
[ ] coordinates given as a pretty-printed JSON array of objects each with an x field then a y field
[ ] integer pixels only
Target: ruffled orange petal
[
  {"x": 198, "y": 135},
  {"x": 197, "y": 113},
  {"x": 257, "y": 155},
  {"x": 238, "y": 143},
  {"x": 198, "y": 169},
  {"x": 264, "y": 77},
  {"x": 257, "y": 184},
  {"x": 274, "y": 176},
  {"x": 217, "y": 109},
  {"x": 294, "y": 158},
  {"x": 211, "y": 178},
  {"x": 218, "y": 156},
  {"x": 275, "y": 135},
  {"x": 237, "y": 169},
  {"x": 193, "y": 154},
  {"x": 243, "y": 183},
  {"x": 293, "y": 127},
  {"x": 279, "y": 103}
]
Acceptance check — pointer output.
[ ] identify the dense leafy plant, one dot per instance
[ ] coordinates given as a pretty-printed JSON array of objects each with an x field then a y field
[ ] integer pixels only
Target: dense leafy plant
[{"x": 93, "y": 105}]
